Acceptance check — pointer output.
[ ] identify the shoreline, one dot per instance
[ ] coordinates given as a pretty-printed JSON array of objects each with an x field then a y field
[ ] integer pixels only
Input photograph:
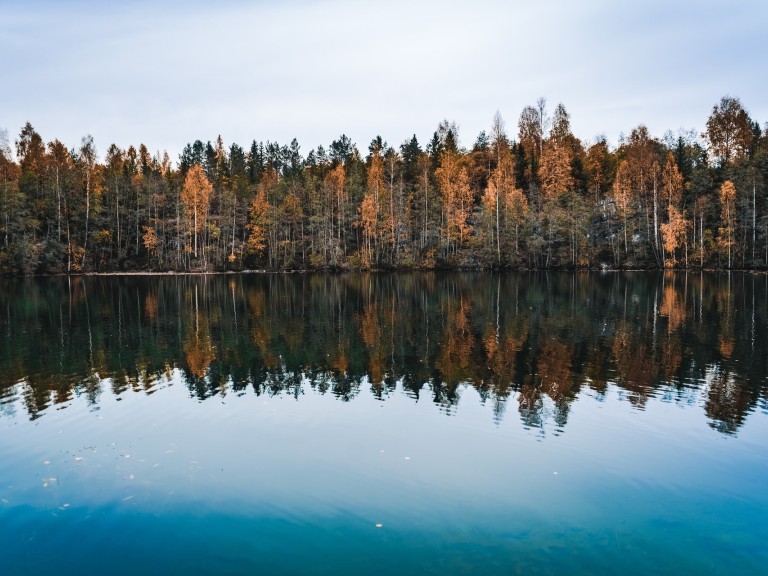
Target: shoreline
[{"x": 379, "y": 271}]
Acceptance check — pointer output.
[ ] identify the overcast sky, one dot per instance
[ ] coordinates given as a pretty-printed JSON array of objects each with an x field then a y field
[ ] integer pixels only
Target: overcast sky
[{"x": 165, "y": 75}]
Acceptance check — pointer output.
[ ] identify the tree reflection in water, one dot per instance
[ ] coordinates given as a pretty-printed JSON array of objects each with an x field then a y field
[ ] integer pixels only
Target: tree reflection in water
[{"x": 529, "y": 341}]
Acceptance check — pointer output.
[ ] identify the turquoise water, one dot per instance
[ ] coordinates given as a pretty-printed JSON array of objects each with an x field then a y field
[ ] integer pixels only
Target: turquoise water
[{"x": 334, "y": 425}]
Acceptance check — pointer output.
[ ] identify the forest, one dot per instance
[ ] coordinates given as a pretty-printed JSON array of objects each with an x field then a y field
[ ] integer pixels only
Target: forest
[{"x": 540, "y": 199}]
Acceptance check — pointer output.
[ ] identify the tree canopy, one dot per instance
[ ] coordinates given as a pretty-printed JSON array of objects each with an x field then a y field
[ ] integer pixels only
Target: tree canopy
[{"x": 543, "y": 200}]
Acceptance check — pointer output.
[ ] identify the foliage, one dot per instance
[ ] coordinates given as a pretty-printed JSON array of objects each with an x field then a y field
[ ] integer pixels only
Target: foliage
[{"x": 546, "y": 200}]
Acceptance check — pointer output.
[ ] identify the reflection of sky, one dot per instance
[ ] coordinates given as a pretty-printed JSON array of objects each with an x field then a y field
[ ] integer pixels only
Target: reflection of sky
[
  {"x": 317, "y": 466},
  {"x": 168, "y": 74},
  {"x": 293, "y": 448}
]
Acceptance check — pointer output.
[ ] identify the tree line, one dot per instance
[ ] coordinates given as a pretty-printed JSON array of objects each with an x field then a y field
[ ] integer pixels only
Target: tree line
[{"x": 542, "y": 200}]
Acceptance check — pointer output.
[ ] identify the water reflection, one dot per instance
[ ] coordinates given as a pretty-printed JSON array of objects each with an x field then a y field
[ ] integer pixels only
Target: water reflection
[{"x": 527, "y": 342}]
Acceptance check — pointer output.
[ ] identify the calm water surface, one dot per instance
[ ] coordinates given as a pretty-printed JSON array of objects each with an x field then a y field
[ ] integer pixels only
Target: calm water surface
[{"x": 375, "y": 423}]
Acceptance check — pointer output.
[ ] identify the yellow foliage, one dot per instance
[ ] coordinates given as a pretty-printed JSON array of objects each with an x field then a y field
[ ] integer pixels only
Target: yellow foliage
[
  {"x": 257, "y": 227},
  {"x": 196, "y": 195},
  {"x": 453, "y": 182},
  {"x": 673, "y": 233},
  {"x": 555, "y": 170},
  {"x": 150, "y": 240}
]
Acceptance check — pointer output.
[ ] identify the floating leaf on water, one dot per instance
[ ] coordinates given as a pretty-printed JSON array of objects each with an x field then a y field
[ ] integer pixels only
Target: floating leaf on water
[
  {"x": 46, "y": 462},
  {"x": 379, "y": 525},
  {"x": 78, "y": 458},
  {"x": 127, "y": 498},
  {"x": 407, "y": 458}
]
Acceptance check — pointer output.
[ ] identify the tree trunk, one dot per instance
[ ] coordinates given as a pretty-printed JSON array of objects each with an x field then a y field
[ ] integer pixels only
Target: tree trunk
[{"x": 87, "y": 214}]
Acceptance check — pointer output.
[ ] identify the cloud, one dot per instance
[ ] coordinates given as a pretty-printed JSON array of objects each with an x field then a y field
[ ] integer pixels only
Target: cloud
[{"x": 166, "y": 75}]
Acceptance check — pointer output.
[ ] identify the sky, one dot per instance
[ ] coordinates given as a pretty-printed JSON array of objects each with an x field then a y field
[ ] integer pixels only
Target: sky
[{"x": 167, "y": 73}]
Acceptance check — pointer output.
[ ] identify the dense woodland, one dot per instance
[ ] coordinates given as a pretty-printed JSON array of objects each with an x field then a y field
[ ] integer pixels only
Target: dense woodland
[{"x": 539, "y": 200}]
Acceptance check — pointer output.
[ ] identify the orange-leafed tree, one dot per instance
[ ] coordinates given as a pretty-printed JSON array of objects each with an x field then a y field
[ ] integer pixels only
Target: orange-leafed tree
[
  {"x": 335, "y": 194},
  {"x": 671, "y": 181},
  {"x": 149, "y": 238},
  {"x": 674, "y": 230},
  {"x": 516, "y": 213},
  {"x": 643, "y": 170},
  {"x": 258, "y": 223},
  {"x": 726, "y": 232},
  {"x": 373, "y": 207},
  {"x": 368, "y": 221},
  {"x": 556, "y": 181},
  {"x": 673, "y": 234},
  {"x": 196, "y": 197},
  {"x": 453, "y": 182},
  {"x": 506, "y": 203},
  {"x": 503, "y": 176},
  {"x": 729, "y": 131},
  {"x": 599, "y": 165},
  {"x": 555, "y": 169}
]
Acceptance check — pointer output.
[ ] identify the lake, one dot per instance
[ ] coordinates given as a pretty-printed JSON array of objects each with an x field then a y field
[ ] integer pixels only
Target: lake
[{"x": 410, "y": 423}]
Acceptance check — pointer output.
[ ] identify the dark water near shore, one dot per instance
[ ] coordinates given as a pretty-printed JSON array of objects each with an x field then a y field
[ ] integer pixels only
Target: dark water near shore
[{"x": 533, "y": 423}]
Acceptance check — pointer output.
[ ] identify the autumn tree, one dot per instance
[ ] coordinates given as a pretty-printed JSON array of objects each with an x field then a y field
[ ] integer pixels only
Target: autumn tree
[
  {"x": 195, "y": 196},
  {"x": 673, "y": 231},
  {"x": 515, "y": 206},
  {"x": 258, "y": 223},
  {"x": 503, "y": 202},
  {"x": 531, "y": 132},
  {"x": 563, "y": 217},
  {"x": 150, "y": 241},
  {"x": 335, "y": 192},
  {"x": 555, "y": 169},
  {"x": 622, "y": 198},
  {"x": 729, "y": 131},
  {"x": 600, "y": 169},
  {"x": 727, "y": 214},
  {"x": 368, "y": 222},
  {"x": 374, "y": 203},
  {"x": 561, "y": 125},
  {"x": 641, "y": 174},
  {"x": 499, "y": 180},
  {"x": 453, "y": 182}
]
